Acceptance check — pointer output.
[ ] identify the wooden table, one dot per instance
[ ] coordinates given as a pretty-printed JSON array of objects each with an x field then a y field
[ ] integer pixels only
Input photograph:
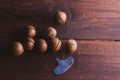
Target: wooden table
[{"x": 95, "y": 24}]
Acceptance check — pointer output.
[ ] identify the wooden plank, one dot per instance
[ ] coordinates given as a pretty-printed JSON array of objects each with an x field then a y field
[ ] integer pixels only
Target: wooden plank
[
  {"x": 94, "y": 60},
  {"x": 99, "y": 48},
  {"x": 96, "y": 19}
]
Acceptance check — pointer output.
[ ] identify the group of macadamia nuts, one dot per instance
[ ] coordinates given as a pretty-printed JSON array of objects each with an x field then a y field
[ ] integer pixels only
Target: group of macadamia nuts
[
  {"x": 29, "y": 43},
  {"x": 54, "y": 44}
]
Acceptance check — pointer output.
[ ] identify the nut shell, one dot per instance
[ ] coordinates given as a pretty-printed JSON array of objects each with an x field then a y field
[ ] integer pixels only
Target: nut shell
[
  {"x": 42, "y": 45},
  {"x": 61, "y": 17},
  {"x": 30, "y": 43},
  {"x": 18, "y": 48},
  {"x": 31, "y": 32},
  {"x": 56, "y": 44},
  {"x": 71, "y": 45},
  {"x": 51, "y": 32}
]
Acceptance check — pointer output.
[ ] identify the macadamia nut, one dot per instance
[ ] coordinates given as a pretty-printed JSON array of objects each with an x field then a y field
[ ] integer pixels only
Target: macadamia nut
[
  {"x": 18, "y": 48},
  {"x": 71, "y": 45}
]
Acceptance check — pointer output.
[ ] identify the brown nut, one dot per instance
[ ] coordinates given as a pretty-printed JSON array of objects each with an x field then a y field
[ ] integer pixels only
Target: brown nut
[
  {"x": 61, "y": 17},
  {"x": 29, "y": 44},
  {"x": 71, "y": 45},
  {"x": 18, "y": 48},
  {"x": 56, "y": 44},
  {"x": 42, "y": 45},
  {"x": 31, "y": 32},
  {"x": 51, "y": 32}
]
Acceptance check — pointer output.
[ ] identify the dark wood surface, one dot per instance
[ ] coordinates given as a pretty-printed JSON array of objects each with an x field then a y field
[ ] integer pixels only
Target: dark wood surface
[
  {"x": 93, "y": 23},
  {"x": 96, "y": 19}
]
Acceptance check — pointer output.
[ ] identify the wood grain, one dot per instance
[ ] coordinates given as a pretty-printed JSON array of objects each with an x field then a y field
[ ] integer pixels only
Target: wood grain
[
  {"x": 94, "y": 60},
  {"x": 96, "y": 19},
  {"x": 93, "y": 23}
]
